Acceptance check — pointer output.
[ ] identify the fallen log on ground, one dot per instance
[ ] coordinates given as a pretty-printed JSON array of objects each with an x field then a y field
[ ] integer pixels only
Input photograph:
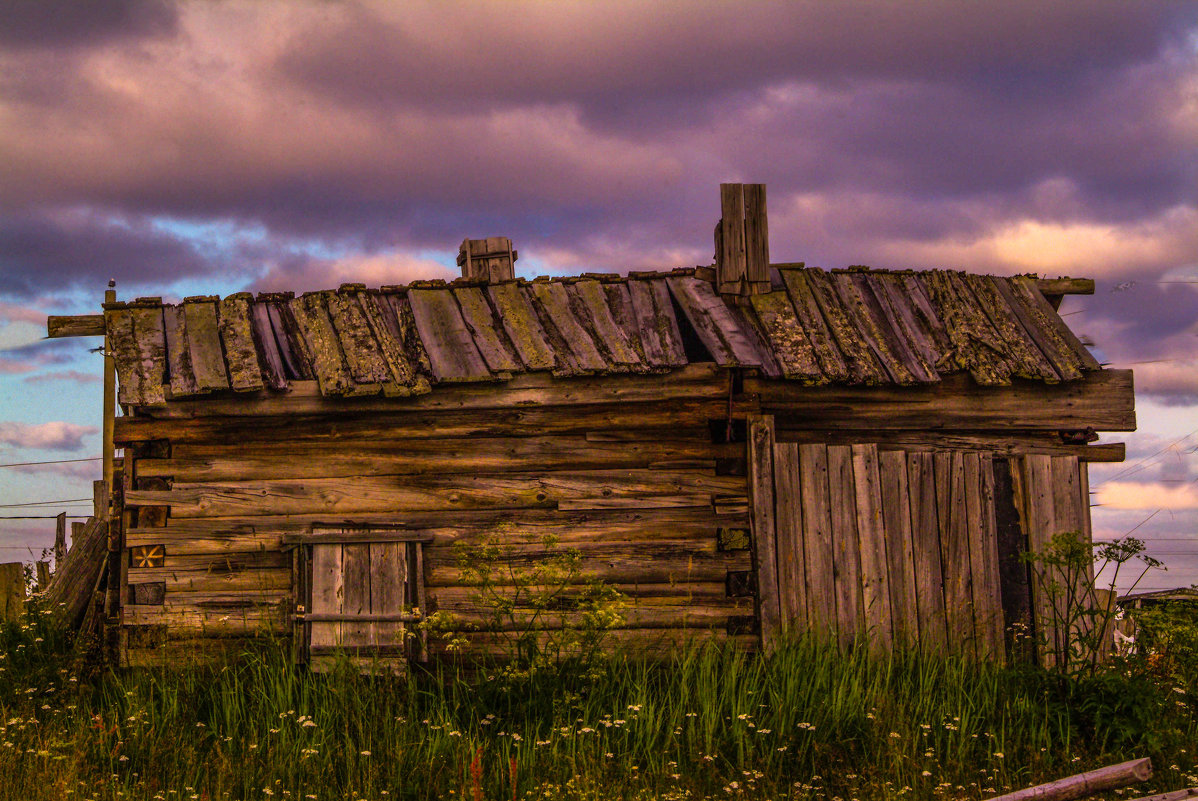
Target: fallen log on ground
[
  {"x": 1085, "y": 784},
  {"x": 1174, "y": 795}
]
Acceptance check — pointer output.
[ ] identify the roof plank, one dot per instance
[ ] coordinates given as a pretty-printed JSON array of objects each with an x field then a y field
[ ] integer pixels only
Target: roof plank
[
  {"x": 203, "y": 341},
  {"x": 320, "y": 341},
  {"x": 1028, "y": 292},
  {"x": 1066, "y": 363},
  {"x": 589, "y": 302},
  {"x": 405, "y": 378},
  {"x": 362, "y": 353},
  {"x": 619, "y": 300},
  {"x": 862, "y": 366},
  {"x": 274, "y": 374},
  {"x": 714, "y": 322},
  {"x": 292, "y": 347},
  {"x": 656, "y": 323},
  {"x": 522, "y": 325},
  {"x": 151, "y": 352},
  {"x": 451, "y": 350},
  {"x": 554, "y": 301},
  {"x": 965, "y": 353},
  {"x": 1026, "y": 359},
  {"x": 831, "y": 360},
  {"x": 237, "y": 336},
  {"x": 785, "y": 334},
  {"x": 902, "y": 335},
  {"x": 119, "y": 323},
  {"x": 488, "y": 334},
  {"x": 899, "y": 308},
  {"x": 178, "y": 353},
  {"x": 872, "y": 328},
  {"x": 917, "y": 294}
]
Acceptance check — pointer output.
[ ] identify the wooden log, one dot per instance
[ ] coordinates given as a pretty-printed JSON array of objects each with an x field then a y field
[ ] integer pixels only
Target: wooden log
[
  {"x": 1176, "y": 795},
  {"x": 1086, "y": 784},
  {"x": 764, "y": 522},
  {"x": 1065, "y": 286},
  {"x": 629, "y": 563},
  {"x": 691, "y": 383},
  {"x": 74, "y": 580},
  {"x": 74, "y": 325},
  {"x": 872, "y": 545},
  {"x": 1104, "y": 400},
  {"x": 850, "y": 612},
  {"x": 1000, "y": 443}
]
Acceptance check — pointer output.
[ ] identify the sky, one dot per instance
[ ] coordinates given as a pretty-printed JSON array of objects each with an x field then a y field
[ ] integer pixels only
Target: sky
[{"x": 204, "y": 148}]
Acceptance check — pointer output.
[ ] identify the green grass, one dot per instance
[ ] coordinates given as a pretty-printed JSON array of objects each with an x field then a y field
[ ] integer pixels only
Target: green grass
[{"x": 807, "y": 722}]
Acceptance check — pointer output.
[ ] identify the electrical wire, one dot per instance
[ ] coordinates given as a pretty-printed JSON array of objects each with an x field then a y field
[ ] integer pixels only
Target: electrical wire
[{"x": 53, "y": 461}]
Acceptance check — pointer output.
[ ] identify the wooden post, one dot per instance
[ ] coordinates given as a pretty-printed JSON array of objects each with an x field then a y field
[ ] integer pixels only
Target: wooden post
[
  {"x": 109, "y": 408},
  {"x": 12, "y": 591},
  {"x": 1085, "y": 784},
  {"x": 742, "y": 241},
  {"x": 43, "y": 576},
  {"x": 491, "y": 259},
  {"x": 60, "y": 538}
]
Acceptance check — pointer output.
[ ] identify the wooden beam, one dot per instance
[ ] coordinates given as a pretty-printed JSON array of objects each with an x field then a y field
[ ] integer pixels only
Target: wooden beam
[
  {"x": 1103, "y": 400},
  {"x": 1065, "y": 286},
  {"x": 1085, "y": 784},
  {"x": 75, "y": 325}
]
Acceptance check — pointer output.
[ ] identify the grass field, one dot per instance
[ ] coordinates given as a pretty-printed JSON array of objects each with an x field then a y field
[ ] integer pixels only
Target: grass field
[{"x": 807, "y": 722}]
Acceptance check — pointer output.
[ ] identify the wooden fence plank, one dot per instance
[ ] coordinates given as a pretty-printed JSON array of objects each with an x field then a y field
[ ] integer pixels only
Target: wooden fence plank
[
  {"x": 388, "y": 568},
  {"x": 355, "y": 569},
  {"x": 850, "y": 614},
  {"x": 765, "y": 554},
  {"x": 792, "y": 571},
  {"x": 954, "y": 550},
  {"x": 896, "y": 523},
  {"x": 925, "y": 540},
  {"x": 871, "y": 538},
  {"x": 818, "y": 549}
]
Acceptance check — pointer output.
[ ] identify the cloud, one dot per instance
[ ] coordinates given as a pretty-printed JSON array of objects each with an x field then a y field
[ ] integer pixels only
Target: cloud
[
  {"x": 1148, "y": 495},
  {"x": 72, "y": 376},
  {"x": 87, "y": 471},
  {"x": 309, "y": 274},
  {"x": 70, "y": 24},
  {"x": 56, "y": 435},
  {"x": 16, "y": 313}
]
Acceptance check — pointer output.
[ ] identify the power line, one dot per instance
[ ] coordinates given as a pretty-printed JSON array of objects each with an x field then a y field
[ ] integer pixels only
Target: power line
[
  {"x": 43, "y": 503},
  {"x": 53, "y": 461},
  {"x": 42, "y": 517}
]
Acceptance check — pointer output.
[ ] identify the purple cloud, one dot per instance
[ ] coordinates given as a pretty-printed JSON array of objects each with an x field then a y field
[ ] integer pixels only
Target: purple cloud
[{"x": 56, "y": 435}]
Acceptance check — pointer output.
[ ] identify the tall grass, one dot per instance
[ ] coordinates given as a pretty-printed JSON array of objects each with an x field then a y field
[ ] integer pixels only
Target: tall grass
[{"x": 804, "y": 722}]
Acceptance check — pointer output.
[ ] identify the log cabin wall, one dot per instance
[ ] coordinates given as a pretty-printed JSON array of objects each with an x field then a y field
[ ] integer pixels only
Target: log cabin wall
[
  {"x": 581, "y": 405},
  {"x": 655, "y": 507}
]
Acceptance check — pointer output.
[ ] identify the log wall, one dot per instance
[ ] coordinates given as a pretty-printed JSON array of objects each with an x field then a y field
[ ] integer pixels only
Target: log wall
[{"x": 641, "y": 491}]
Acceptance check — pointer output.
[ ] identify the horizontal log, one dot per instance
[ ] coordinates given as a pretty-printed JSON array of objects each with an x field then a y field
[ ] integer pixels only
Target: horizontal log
[
  {"x": 184, "y": 622},
  {"x": 656, "y": 420},
  {"x": 636, "y": 565},
  {"x": 1005, "y": 442},
  {"x": 1083, "y": 785},
  {"x": 634, "y": 617},
  {"x": 1065, "y": 286},
  {"x": 633, "y": 643},
  {"x": 199, "y": 581},
  {"x": 399, "y": 617},
  {"x": 482, "y": 456},
  {"x": 1103, "y": 400},
  {"x": 708, "y": 593},
  {"x": 704, "y": 380},
  {"x": 251, "y": 533},
  {"x": 400, "y": 493},
  {"x": 222, "y": 564},
  {"x": 75, "y": 325}
]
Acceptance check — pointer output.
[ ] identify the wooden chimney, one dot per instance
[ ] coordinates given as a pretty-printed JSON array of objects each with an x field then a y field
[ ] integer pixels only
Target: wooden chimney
[
  {"x": 742, "y": 247},
  {"x": 491, "y": 259}
]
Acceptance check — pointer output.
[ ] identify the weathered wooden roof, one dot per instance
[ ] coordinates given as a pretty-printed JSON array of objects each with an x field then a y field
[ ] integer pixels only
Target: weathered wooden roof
[{"x": 856, "y": 327}]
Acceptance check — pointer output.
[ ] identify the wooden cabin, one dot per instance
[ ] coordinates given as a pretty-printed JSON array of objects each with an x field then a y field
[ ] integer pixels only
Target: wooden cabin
[{"x": 744, "y": 451}]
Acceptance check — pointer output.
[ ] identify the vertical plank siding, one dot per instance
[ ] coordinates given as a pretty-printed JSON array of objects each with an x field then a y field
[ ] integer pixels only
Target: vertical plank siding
[{"x": 888, "y": 548}]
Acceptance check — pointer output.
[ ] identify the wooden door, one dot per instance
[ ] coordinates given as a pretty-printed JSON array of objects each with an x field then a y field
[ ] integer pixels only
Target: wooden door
[{"x": 362, "y": 599}]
